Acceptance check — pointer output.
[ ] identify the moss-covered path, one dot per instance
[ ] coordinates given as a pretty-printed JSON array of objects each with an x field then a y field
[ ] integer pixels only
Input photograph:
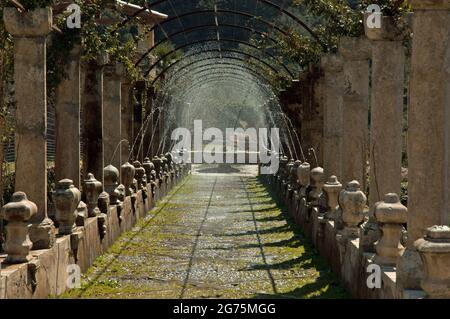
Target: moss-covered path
[{"x": 215, "y": 236}]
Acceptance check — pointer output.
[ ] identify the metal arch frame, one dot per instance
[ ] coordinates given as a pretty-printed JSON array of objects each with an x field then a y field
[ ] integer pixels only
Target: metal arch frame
[
  {"x": 216, "y": 57},
  {"x": 225, "y": 66},
  {"x": 216, "y": 40},
  {"x": 209, "y": 58},
  {"x": 200, "y": 27},
  {"x": 211, "y": 79},
  {"x": 228, "y": 74},
  {"x": 225, "y": 70},
  {"x": 208, "y": 81},
  {"x": 218, "y": 77},
  {"x": 216, "y": 80},
  {"x": 248, "y": 15},
  {"x": 266, "y": 2},
  {"x": 222, "y": 63}
]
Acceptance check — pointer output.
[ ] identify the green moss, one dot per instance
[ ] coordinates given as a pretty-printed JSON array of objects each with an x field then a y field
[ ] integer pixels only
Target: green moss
[{"x": 201, "y": 244}]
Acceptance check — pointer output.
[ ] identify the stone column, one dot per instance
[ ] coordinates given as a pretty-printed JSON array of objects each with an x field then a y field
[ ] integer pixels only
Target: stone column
[
  {"x": 127, "y": 119},
  {"x": 93, "y": 161},
  {"x": 30, "y": 30},
  {"x": 332, "y": 66},
  {"x": 137, "y": 120},
  {"x": 388, "y": 61},
  {"x": 356, "y": 53},
  {"x": 429, "y": 131},
  {"x": 112, "y": 114},
  {"x": 148, "y": 120},
  {"x": 68, "y": 107}
]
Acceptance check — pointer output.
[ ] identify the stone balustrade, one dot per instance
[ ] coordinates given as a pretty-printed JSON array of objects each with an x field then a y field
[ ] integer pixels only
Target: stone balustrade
[{"x": 34, "y": 247}]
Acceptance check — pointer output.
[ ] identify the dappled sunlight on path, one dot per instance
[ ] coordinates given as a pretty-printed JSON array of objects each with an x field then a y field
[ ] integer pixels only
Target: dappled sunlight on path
[{"x": 215, "y": 236}]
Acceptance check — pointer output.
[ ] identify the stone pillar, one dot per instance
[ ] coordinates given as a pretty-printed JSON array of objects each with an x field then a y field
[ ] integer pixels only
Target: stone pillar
[
  {"x": 148, "y": 120},
  {"x": 428, "y": 133},
  {"x": 137, "y": 120},
  {"x": 30, "y": 30},
  {"x": 156, "y": 132},
  {"x": 388, "y": 60},
  {"x": 356, "y": 53},
  {"x": 127, "y": 119},
  {"x": 332, "y": 66},
  {"x": 93, "y": 161},
  {"x": 112, "y": 121},
  {"x": 68, "y": 107}
]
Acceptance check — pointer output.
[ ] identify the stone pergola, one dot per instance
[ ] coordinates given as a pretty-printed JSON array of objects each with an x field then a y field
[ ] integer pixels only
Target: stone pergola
[{"x": 104, "y": 193}]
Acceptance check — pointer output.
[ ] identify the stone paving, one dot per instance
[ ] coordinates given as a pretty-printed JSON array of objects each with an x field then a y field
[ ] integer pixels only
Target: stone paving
[{"x": 214, "y": 236}]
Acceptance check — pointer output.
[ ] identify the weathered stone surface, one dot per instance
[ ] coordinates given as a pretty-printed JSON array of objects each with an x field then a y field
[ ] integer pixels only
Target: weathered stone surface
[
  {"x": 355, "y": 53},
  {"x": 111, "y": 176},
  {"x": 391, "y": 215},
  {"x": 386, "y": 120},
  {"x": 434, "y": 250},
  {"x": 92, "y": 189},
  {"x": 332, "y": 66},
  {"x": 428, "y": 130},
  {"x": 112, "y": 111},
  {"x": 18, "y": 212},
  {"x": 127, "y": 175},
  {"x": 332, "y": 189},
  {"x": 66, "y": 198},
  {"x": 352, "y": 201},
  {"x": 127, "y": 119},
  {"x": 29, "y": 30},
  {"x": 93, "y": 134},
  {"x": 30, "y": 24},
  {"x": 67, "y": 124}
]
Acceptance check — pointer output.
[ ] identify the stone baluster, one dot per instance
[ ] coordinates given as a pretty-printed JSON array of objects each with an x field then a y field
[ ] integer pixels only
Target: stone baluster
[
  {"x": 92, "y": 189},
  {"x": 18, "y": 212},
  {"x": 30, "y": 30},
  {"x": 66, "y": 198},
  {"x": 332, "y": 189},
  {"x": 391, "y": 215},
  {"x": 386, "y": 121},
  {"x": 428, "y": 132},
  {"x": 434, "y": 250},
  {"x": 164, "y": 175},
  {"x": 150, "y": 173},
  {"x": 128, "y": 172},
  {"x": 292, "y": 185},
  {"x": 304, "y": 177},
  {"x": 67, "y": 121},
  {"x": 112, "y": 109},
  {"x": 286, "y": 178},
  {"x": 111, "y": 175},
  {"x": 103, "y": 206},
  {"x": 356, "y": 53},
  {"x": 171, "y": 166},
  {"x": 352, "y": 202},
  {"x": 315, "y": 198},
  {"x": 280, "y": 174},
  {"x": 139, "y": 174},
  {"x": 332, "y": 66}
]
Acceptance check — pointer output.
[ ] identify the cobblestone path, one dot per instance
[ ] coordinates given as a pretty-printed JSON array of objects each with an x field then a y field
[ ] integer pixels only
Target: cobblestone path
[{"x": 214, "y": 236}]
